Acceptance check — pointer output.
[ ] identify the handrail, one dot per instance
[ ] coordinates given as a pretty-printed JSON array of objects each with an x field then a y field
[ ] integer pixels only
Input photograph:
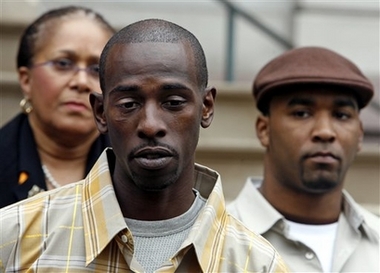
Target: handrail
[{"x": 233, "y": 10}]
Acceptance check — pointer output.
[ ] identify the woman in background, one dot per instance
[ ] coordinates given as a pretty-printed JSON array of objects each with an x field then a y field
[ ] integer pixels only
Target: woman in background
[{"x": 54, "y": 141}]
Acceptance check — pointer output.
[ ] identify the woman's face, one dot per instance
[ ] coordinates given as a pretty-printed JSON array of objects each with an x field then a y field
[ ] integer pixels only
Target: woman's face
[{"x": 60, "y": 95}]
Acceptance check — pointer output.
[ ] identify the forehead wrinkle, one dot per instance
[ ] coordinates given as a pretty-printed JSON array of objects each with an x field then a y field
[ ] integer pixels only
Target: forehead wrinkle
[
  {"x": 337, "y": 99},
  {"x": 125, "y": 88},
  {"x": 174, "y": 86},
  {"x": 157, "y": 65},
  {"x": 338, "y": 102},
  {"x": 136, "y": 88},
  {"x": 300, "y": 101}
]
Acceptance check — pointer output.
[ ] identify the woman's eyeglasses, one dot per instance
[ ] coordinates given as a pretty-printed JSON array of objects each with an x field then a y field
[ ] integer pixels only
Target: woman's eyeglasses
[{"x": 68, "y": 67}]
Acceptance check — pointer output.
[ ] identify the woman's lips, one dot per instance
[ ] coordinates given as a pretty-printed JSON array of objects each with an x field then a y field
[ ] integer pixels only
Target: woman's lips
[{"x": 76, "y": 106}]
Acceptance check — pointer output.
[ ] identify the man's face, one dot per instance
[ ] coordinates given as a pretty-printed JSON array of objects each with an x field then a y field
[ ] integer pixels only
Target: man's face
[
  {"x": 153, "y": 109},
  {"x": 312, "y": 135}
]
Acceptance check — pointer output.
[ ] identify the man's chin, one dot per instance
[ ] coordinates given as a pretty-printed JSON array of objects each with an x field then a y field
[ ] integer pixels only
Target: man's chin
[
  {"x": 320, "y": 186},
  {"x": 153, "y": 184}
]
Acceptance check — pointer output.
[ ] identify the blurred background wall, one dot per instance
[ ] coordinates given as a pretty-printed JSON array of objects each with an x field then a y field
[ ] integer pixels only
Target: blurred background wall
[{"x": 238, "y": 37}]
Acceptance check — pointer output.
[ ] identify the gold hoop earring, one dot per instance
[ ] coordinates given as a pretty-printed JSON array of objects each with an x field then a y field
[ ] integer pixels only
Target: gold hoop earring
[{"x": 26, "y": 106}]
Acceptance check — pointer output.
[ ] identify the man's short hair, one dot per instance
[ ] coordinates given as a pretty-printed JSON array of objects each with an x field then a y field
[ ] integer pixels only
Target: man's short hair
[{"x": 157, "y": 30}]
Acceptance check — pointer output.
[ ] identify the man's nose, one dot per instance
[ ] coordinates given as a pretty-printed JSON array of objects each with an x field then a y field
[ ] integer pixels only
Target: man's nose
[
  {"x": 151, "y": 123},
  {"x": 323, "y": 129}
]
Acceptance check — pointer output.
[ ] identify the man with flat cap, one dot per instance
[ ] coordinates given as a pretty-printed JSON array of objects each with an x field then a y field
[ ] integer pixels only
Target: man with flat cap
[{"x": 310, "y": 99}]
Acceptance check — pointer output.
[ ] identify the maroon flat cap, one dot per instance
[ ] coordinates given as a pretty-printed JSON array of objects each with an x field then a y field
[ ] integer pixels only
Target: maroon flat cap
[{"x": 310, "y": 65}]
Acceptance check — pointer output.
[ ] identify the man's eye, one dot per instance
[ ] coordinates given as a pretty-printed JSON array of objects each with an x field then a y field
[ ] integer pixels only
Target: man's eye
[
  {"x": 342, "y": 115},
  {"x": 63, "y": 64},
  {"x": 301, "y": 114},
  {"x": 129, "y": 105},
  {"x": 175, "y": 102}
]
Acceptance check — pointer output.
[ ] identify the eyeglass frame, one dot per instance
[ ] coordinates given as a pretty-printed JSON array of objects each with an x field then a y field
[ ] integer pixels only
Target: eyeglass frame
[{"x": 91, "y": 70}]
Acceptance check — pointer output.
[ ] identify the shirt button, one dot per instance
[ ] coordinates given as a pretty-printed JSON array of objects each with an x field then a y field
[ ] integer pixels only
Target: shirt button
[
  {"x": 309, "y": 255},
  {"x": 124, "y": 238}
]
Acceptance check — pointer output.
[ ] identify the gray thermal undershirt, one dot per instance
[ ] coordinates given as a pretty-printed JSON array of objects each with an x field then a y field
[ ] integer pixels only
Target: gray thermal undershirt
[{"x": 157, "y": 241}]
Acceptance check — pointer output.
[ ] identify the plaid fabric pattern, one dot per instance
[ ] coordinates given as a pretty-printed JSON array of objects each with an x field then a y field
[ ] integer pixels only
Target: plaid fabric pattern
[{"x": 80, "y": 228}]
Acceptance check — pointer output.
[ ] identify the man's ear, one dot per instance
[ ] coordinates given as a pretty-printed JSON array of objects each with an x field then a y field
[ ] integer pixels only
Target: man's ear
[
  {"x": 25, "y": 81},
  {"x": 208, "y": 107},
  {"x": 262, "y": 130},
  {"x": 361, "y": 136},
  {"x": 97, "y": 104}
]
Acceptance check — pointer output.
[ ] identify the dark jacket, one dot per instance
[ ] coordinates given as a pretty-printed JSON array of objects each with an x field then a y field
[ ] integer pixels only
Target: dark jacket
[{"x": 18, "y": 154}]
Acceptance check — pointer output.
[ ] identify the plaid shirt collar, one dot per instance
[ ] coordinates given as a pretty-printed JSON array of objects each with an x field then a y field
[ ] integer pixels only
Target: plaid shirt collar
[{"x": 103, "y": 219}]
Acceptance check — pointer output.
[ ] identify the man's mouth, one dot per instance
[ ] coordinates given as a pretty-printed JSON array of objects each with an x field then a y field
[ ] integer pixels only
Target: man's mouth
[
  {"x": 153, "y": 158},
  {"x": 323, "y": 158}
]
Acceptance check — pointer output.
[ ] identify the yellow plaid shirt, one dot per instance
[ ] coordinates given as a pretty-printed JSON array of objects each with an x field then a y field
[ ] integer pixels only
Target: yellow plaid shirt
[{"x": 80, "y": 228}]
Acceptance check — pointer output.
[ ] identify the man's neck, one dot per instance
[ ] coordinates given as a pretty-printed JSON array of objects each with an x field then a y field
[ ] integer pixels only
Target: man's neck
[
  {"x": 139, "y": 204},
  {"x": 302, "y": 207}
]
